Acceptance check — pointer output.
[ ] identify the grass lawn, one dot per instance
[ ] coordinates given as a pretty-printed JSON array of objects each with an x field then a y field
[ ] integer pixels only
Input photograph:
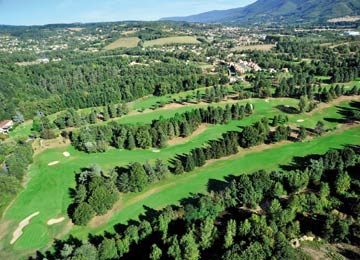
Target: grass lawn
[
  {"x": 125, "y": 42},
  {"x": 172, "y": 40},
  {"x": 48, "y": 188},
  {"x": 23, "y": 130}
]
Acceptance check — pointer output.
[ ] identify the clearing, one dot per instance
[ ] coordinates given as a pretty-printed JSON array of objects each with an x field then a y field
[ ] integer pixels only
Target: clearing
[
  {"x": 125, "y": 42},
  {"x": 344, "y": 19},
  {"x": 172, "y": 40}
]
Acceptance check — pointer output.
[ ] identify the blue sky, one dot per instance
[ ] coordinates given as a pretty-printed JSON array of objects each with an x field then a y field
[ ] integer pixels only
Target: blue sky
[{"x": 31, "y": 12}]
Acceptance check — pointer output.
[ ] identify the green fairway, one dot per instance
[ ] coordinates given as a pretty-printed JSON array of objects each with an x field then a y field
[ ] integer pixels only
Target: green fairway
[
  {"x": 48, "y": 188},
  {"x": 196, "y": 181}
]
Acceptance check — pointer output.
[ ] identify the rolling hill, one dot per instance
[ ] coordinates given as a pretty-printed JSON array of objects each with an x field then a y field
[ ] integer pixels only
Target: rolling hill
[{"x": 278, "y": 11}]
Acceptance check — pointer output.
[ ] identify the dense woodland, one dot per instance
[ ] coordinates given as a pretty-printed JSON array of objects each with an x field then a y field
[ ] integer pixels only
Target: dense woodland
[
  {"x": 15, "y": 158},
  {"x": 50, "y": 88},
  {"x": 247, "y": 217}
]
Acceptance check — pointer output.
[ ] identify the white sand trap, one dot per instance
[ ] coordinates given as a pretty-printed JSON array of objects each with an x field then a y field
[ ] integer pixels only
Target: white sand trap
[
  {"x": 19, "y": 231},
  {"x": 156, "y": 151},
  {"x": 267, "y": 100},
  {"x": 66, "y": 154},
  {"x": 300, "y": 120},
  {"x": 55, "y": 221},
  {"x": 53, "y": 163}
]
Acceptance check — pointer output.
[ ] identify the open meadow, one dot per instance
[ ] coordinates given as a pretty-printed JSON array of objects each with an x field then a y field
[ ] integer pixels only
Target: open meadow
[
  {"x": 172, "y": 40},
  {"x": 125, "y": 42}
]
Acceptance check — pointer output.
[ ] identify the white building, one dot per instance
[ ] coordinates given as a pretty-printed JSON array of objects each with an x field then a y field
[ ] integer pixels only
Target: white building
[
  {"x": 352, "y": 33},
  {"x": 5, "y": 126}
]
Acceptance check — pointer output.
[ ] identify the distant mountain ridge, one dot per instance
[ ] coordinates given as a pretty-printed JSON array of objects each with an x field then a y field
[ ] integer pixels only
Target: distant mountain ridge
[{"x": 278, "y": 11}]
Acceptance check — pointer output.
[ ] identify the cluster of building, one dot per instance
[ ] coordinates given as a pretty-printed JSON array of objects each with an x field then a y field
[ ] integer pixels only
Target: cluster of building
[{"x": 243, "y": 66}]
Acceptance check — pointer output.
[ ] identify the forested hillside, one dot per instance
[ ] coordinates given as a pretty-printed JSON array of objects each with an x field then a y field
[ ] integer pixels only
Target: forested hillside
[
  {"x": 86, "y": 83},
  {"x": 278, "y": 12}
]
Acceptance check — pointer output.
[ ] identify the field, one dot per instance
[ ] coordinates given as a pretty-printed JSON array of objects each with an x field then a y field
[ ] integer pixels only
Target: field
[
  {"x": 259, "y": 47},
  {"x": 126, "y": 42},
  {"x": 48, "y": 188},
  {"x": 172, "y": 40}
]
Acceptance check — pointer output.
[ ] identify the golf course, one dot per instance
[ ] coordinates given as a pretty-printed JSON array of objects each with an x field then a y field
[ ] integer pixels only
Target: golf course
[{"x": 52, "y": 173}]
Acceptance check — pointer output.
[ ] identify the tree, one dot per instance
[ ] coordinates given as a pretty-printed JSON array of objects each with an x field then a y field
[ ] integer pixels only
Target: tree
[
  {"x": 342, "y": 183},
  {"x": 145, "y": 229},
  {"x": 132, "y": 232},
  {"x": 156, "y": 252},
  {"x": 83, "y": 213},
  {"x": 86, "y": 252},
  {"x": 47, "y": 134},
  {"x": 137, "y": 177},
  {"x": 174, "y": 251},
  {"x": 189, "y": 247},
  {"x": 107, "y": 249},
  {"x": 130, "y": 142},
  {"x": 161, "y": 169},
  {"x": 123, "y": 246},
  {"x": 178, "y": 167},
  {"x": 102, "y": 199},
  {"x": 80, "y": 194},
  {"x": 189, "y": 163},
  {"x": 244, "y": 228},
  {"x": 230, "y": 233},
  {"x": 92, "y": 117},
  {"x": 248, "y": 108},
  {"x": 143, "y": 138},
  {"x": 303, "y": 104},
  {"x": 207, "y": 233},
  {"x": 112, "y": 111},
  {"x": 248, "y": 137},
  {"x": 302, "y": 133},
  {"x": 185, "y": 129},
  {"x": 105, "y": 115},
  {"x": 18, "y": 118},
  {"x": 319, "y": 128},
  {"x": 150, "y": 172}
]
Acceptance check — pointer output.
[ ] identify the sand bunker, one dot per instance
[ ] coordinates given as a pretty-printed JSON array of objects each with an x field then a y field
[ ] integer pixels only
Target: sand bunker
[
  {"x": 55, "y": 221},
  {"x": 300, "y": 120},
  {"x": 19, "y": 231},
  {"x": 66, "y": 154},
  {"x": 156, "y": 151},
  {"x": 53, "y": 163},
  {"x": 267, "y": 100}
]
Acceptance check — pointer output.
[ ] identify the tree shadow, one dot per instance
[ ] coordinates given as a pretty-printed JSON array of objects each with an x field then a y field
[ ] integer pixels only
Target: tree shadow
[
  {"x": 216, "y": 185},
  {"x": 348, "y": 254},
  {"x": 299, "y": 163},
  {"x": 287, "y": 109}
]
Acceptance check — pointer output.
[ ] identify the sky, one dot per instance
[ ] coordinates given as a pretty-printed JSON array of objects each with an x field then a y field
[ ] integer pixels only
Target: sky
[{"x": 38, "y": 12}]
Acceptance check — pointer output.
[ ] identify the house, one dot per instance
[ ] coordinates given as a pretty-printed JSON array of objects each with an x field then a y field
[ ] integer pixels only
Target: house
[{"x": 5, "y": 126}]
